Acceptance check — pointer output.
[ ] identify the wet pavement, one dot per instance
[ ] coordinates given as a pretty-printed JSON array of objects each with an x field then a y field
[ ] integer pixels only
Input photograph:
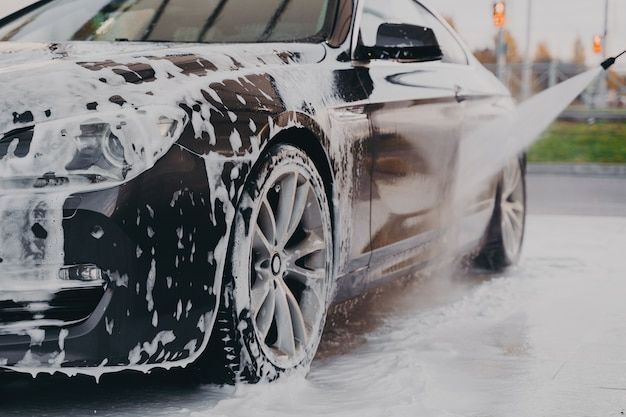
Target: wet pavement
[
  {"x": 547, "y": 338},
  {"x": 572, "y": 194}
]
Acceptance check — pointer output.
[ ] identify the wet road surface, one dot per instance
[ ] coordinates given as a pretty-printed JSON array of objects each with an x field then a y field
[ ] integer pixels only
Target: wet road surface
[
  {"x": 577, "y": 195},
  {"x": 547, "y": 338}
]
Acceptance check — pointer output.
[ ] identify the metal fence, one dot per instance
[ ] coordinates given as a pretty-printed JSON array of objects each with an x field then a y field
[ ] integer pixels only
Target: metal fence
[{"x": 549, "y": 74}]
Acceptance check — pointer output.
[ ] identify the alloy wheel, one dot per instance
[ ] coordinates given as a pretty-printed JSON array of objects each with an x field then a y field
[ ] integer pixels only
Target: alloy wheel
[{"x": 288, "y": 267}]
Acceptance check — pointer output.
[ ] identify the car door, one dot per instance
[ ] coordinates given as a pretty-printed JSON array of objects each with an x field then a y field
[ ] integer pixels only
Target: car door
[
  {"x": 416, "y": 116},
  {"x": 486, "y": 99}
]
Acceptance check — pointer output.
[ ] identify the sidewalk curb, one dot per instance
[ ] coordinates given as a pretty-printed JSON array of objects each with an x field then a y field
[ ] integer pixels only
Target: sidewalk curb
[{"x": 589, "y": 170}]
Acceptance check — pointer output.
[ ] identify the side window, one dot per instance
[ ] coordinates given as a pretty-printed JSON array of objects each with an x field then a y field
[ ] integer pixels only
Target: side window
[{"x": 411, "y": 12}]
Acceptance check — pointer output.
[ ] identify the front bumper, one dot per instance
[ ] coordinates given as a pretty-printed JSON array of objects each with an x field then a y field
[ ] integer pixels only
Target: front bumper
[{"x": 154, "y": 242}]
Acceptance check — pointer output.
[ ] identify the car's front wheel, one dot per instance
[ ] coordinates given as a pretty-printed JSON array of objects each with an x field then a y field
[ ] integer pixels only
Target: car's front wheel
[{"x": 281, "y": 274}]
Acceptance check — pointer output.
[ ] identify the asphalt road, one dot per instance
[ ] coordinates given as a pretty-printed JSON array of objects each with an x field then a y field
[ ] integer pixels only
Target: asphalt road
[
  {"x": 546, "y": 338},
  {"x": 577, "y": 195}
]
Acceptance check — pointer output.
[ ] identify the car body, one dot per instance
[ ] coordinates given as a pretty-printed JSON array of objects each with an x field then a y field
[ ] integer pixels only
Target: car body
[{"x": 141, "y": 236}]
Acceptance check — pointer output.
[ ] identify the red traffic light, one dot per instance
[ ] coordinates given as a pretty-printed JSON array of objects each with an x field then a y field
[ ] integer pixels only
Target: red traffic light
[
  {"x": 597, "y": 44},
  {"x": 499, "y": 14}
]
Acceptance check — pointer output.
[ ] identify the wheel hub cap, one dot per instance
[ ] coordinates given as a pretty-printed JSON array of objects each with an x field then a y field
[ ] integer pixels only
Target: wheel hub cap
[{"x": 277, "y": 264}]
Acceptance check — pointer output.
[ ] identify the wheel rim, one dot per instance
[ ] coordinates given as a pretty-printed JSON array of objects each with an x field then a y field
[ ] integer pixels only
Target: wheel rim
[
  {"x": 513, "y": 210},
  {"x": 288, "y": 268}
]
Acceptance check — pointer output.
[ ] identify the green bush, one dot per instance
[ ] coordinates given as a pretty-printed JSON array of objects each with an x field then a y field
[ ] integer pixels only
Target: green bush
[{"x": 569, "y": 142}]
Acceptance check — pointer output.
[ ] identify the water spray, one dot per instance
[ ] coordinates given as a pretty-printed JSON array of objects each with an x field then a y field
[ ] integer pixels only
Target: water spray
[
  {"x": 485, "y": 151},
  {"x": 488, "y": 149}
]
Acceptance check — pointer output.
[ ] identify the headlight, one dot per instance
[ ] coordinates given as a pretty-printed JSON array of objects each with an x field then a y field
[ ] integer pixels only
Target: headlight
[
  {"x": 98, "y": 146},
  {"x": 109, "y": 147}
]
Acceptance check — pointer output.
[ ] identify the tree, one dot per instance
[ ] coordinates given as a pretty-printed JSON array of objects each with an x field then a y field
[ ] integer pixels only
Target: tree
[
  {"x": 580, "y": 57},
  {"x": 488, "y": 56},
  {"x": 615, "y": 81},
  {"x": 543, "y": 55},
  {"x": 485, "y": 56},
  {"x": 512, "y": 50},
  {"x": 451, "y": 21}
]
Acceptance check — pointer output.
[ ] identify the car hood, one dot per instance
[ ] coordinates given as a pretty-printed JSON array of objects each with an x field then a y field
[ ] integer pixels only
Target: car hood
[{"x": 44, "y": 82}]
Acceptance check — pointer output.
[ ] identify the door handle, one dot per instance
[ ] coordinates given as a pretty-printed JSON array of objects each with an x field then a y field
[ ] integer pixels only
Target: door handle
[{"x": 459, "y": 94}]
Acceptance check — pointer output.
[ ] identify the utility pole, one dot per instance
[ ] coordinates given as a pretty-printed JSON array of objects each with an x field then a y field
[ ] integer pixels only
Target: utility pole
[
  {"x": 527, "y": 72},
  {"x": 606, "y": 29},
  {"x": 499, "y": 20},
  {"x": 501, "y": 56},
  {"x": 604, "y": 79}
]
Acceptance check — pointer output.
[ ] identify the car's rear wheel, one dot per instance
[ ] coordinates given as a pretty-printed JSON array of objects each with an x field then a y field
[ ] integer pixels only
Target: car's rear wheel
[
  {"x": 505, "y": 234},
  {"x": 282, "y": 267}
]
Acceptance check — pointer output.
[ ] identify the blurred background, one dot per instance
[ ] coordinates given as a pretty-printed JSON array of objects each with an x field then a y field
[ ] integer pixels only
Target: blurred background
[
  {"x": 544, "y": 339},
  {"x": 532, "y": 45}
]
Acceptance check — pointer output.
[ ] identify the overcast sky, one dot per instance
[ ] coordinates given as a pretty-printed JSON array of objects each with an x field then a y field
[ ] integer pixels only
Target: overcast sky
[{"x": 557, "y": 22}]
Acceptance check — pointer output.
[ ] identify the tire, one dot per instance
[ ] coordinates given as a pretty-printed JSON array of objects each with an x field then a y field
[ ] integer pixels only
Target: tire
[
  {"x": 279, "y": 280},
  {"x": 505, "y": 234}
]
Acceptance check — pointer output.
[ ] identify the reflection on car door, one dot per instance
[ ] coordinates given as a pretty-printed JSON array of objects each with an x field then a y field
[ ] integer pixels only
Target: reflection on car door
[
  {"x": 416, "y": 115},
  {"x": 416, "y": 121}
]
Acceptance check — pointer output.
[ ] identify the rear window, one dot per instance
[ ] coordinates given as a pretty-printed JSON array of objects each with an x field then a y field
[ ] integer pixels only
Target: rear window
[{"x": 204, "y": 21}]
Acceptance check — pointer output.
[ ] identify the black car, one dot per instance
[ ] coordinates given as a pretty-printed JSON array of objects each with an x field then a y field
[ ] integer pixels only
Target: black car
[{"x": 196, "y": 182}]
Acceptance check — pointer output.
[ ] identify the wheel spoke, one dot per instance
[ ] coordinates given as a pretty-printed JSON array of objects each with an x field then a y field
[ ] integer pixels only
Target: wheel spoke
[
  {"x": 261, "y": 289},
  {"x": 513, "y": 242},
  {"x": 299, "y": 207},
  {"x": 266, "y": 315},
  {"x": 311, "y": 244},
  {"x": 517, "y": 207},
  {"x": 509, "y": 234},
  {"x": 297, "y": 319},
  {"x": 285, "y": 341},
  {"x": 312, "y": 299},
  {"x": 286, "y": 203},
  {"x": 267, "y": 222},
  {"x": 513, "y": 178},
  {"x": 305, "y": 276},
  {"x": 516, "y": 221},
  {"x": 261, "y": 244},
  {"x": 506, "y": 218}
]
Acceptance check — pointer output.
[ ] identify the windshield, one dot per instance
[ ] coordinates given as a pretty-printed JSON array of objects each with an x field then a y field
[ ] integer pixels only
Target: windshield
[{"x": 206, "y": 21}]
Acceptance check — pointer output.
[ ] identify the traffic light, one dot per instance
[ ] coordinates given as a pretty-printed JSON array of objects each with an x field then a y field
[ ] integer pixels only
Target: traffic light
[
  {"x": 597, "y": 44},
  {"x": 499, "y": 14}
]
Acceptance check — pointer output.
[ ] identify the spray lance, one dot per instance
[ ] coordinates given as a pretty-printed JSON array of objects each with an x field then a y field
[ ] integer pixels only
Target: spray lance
[{"x": 609, "y": 62}]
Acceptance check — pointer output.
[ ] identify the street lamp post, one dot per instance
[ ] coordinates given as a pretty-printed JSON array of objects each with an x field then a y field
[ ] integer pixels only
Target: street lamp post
[
  {"x": 499, "y": 20},
  {"x": 527, "y": 73},
  {"x": 501, "y": 56},
  {"x": 606, "y": 29},
  {"x": 604, "y": 79}
]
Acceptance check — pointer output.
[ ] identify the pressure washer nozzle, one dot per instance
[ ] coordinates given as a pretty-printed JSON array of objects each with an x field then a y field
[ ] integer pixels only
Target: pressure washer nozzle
[{"x": 609, "y": 62}]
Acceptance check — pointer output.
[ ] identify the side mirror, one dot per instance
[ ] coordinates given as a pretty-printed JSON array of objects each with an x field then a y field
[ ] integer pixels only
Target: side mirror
[{"x": 402, "y": 42}]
